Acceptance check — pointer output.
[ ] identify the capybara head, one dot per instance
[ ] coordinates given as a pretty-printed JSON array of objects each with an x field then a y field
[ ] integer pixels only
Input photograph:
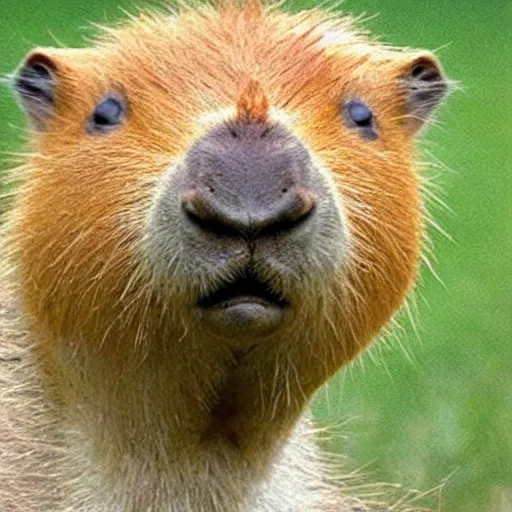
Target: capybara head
[{"x": 228, "y": 177}]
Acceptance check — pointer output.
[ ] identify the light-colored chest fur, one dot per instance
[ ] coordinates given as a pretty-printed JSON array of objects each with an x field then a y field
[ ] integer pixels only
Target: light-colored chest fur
[{"x": 48, "y": 461}]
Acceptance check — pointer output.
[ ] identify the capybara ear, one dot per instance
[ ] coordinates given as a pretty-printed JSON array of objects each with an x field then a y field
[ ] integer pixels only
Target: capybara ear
[
  {"x": 426, "y": 86},
  {"x": 36, "y": 82}
]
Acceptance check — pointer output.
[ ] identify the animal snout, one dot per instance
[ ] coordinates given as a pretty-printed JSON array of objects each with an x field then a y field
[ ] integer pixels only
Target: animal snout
[
  {"x": 211, "y": 213},
  {"x": 248, "y": 179}
]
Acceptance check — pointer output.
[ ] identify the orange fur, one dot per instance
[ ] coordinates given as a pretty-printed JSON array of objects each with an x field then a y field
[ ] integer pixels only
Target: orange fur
[
  {"x": 76, "y": 240},
  {"x": 299, "y": 78}
]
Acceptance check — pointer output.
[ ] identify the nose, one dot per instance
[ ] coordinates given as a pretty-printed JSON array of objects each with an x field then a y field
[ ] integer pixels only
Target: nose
[{"x": 245, "y": 178}]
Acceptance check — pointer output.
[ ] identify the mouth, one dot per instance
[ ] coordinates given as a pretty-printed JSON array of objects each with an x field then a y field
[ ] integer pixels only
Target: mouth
[
  {"x": 247, "y": 288},
  {"x": 247, "y": 305}
]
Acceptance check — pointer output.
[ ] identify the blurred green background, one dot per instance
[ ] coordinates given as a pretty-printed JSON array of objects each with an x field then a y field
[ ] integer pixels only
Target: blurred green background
[{"x": 435, "y": 405}]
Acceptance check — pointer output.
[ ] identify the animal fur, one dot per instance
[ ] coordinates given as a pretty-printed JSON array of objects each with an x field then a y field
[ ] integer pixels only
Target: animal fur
[{"x": 112, "y": 398}]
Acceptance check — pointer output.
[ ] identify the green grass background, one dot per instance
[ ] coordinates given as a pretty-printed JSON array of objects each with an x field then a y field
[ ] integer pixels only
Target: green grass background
[{"x": 439, "y": 403}]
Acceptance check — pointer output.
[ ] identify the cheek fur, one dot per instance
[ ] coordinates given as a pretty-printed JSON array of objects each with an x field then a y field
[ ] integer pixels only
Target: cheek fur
[
  {"x": 95, "y": 244},
  {"x": 384, "y": 210}
]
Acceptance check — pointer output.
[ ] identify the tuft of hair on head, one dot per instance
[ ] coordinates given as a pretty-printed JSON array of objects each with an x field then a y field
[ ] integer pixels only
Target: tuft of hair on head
[{"x": 252, "y": 103}]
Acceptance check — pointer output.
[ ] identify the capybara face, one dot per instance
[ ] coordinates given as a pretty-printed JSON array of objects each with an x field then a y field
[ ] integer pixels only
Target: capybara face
[{"x": 237, "y": 176}]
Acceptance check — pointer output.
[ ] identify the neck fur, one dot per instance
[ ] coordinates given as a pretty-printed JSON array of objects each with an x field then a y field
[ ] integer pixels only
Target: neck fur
[{"x": 185, "y": 402}]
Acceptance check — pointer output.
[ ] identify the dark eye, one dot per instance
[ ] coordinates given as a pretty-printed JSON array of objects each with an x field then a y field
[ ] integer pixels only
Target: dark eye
[
  {"x": 359, "y": 115},
  {"x": 107, "y": 115}
]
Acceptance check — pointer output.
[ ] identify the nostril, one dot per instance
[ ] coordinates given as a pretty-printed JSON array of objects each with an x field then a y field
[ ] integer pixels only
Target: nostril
[
  {"x": 205, "y": 214},
  {"x": 286, "y": 225},
  {"x": 302, "y": 203},
  {"x": 298, "y": 207},
  {"x": 193, "y": 217},
  {"x": 195, "y": 207}
]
